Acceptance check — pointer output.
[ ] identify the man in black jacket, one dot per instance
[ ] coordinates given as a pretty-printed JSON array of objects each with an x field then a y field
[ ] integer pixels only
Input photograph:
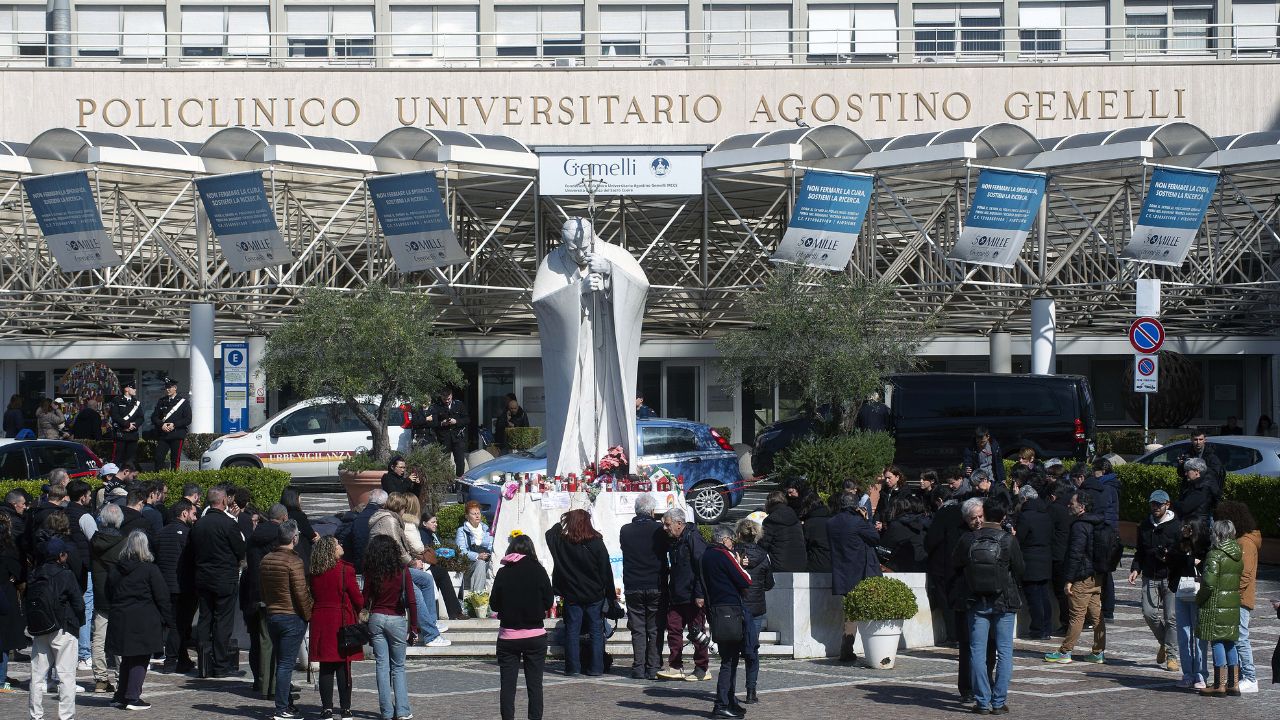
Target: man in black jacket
[
  {"x": 940, "y": 539},
  {"x": 1060, "y": 497},
  {"x": 1084, "y": 583},
  {"x": 56, "y": 648},
  {"x": 989, "y": 563},
  {"x": 644, "y": 575},
  {"x": 264, "y": 540},
  {"x": 125, "y": 412},
  {"x": 1159, "y": 533},
  {"x": 104, "y": 550},
  {"x": 170, "y": 419},
  {"x": 359, "y": 533},
  {"x": 134, "y": 519},
  {"x": 173, "y": 557},
  {"x": 219, "y": 549},
  {"x": 88, "y": 422},
  {"x": 686, "y": 600},
  {"x": 1200, "y": 449},
  {"x": 451, "y": 423}
]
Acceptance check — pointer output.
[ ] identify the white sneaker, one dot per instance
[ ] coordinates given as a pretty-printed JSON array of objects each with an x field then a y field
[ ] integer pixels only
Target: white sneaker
[
  {"x": 440, "y": 641},
  {"x": 1200, "y": 685},
  {"x": 442, "y": 628},
  {"x": 1248, "y": 686},
  {"x": 84, "y": 665}
]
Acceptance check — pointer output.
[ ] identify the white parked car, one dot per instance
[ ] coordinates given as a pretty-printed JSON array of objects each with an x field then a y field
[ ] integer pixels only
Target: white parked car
[
  {"x": 309, "y": 440},
  {"x": 1244, "y": 454}
]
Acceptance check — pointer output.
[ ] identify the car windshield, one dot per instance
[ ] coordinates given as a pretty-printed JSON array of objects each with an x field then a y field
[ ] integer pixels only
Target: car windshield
[{"x": 538, "y": 451}]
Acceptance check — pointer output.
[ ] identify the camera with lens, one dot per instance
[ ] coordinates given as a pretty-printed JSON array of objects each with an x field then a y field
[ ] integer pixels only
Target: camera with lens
[{"x": 698, "y": 635}]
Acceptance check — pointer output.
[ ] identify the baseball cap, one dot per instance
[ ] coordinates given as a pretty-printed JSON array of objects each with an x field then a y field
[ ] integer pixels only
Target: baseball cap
[
  {"x": 59, "y": 401},
  {"x": 1159, "y": 496},
  {"x": 108, "y": 469},
  {"x": 54, "y": 547},
  {"x": 1052, "y": 462}
]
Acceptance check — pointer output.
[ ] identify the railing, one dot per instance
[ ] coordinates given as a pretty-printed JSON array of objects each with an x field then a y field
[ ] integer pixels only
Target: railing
[{"x": 793, "y": 46}]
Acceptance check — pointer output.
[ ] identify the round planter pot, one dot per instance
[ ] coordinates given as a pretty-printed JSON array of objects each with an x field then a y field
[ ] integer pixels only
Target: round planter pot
[
  {"x": 880, "y": 642},
  {"x": 359, "y": 485}
]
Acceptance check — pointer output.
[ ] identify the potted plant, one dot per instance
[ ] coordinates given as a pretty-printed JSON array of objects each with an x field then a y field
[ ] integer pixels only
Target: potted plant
[
  {"x": 479, "y": 604},
  {"x": 371, "y": 349},
  {"x": 880, "y": 605},
  {"x": 361, "y": 475}
]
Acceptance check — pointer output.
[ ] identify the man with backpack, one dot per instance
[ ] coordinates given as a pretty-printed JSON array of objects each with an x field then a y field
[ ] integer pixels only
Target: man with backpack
[
  {"x": 1090, "y": 552},
  {"x": 990, "y": 563},
  {"x": 54, "y": 608}
]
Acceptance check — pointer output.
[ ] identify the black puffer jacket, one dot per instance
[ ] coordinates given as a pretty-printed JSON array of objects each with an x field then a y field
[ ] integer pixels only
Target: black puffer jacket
[
  {"x": 784, "y": 540},
  {"x": 140, "y": 609},
  {"x": 1080, "y": 547},
  {"x": 173, "y": 557},
  {"x": 70, "y": 596},
  {"x": 903, "y": 540},
  {"x": 1035, "y": 538},
  {"x": 684, "y": 558},
  {"x": 75, "y": 563},
  {"x": 1156, "y": 545},
  {"x": 756, "y": 562},
  {"x": 816, "y": 542},
  {"x": 105, "y": 549}
]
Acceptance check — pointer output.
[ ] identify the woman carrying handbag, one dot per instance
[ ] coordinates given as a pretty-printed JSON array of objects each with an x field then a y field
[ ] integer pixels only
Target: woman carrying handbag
[
  {"x": 388, "y": 593},
  {"x": 337, "y": 603}
]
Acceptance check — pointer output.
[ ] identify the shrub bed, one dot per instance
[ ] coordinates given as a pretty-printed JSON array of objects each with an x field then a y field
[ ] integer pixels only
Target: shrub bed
[
  {"x": 828, "y": 462},
  {"x": 265, "y": 485}
]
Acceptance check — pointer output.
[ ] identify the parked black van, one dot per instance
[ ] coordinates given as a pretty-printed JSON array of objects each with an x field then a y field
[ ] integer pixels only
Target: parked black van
[{"x": 934, "y": 416}]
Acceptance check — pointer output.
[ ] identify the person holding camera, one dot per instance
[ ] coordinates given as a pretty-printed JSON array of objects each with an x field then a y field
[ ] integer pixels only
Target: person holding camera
[
  {"x": 394, "y": 479},
  {"x": 510, "y": 416},
  {"x": 1158, "y": 534},
  {"x": 853, "y": 554},
  {"x": 725, "y": 582},
  {"x": 686, "y": 601},
  {"x": 450, "y": 421}
]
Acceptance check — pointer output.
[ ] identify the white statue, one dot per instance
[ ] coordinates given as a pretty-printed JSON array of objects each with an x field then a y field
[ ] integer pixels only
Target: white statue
[{"x": 589, "y": 299}]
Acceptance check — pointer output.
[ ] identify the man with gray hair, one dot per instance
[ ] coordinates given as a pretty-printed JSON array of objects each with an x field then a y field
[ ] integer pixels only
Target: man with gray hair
[
  {"x": 286, "y": 603},
  {"x": 219, "y": 549},
  {"x": 104, "y": 552},
  {"x": 644, "y": 569},
  {"x": 1199, "y": 494},
  {"x": 686, "y": 599}
]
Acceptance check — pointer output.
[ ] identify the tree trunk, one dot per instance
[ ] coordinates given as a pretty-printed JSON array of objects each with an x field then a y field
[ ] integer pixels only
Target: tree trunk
[{"x": 377, "y": 425}]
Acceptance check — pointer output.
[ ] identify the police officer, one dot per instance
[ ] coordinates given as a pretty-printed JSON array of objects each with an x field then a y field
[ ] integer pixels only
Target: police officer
[
  {"x": 424, "y": 424},
  {"x": 126, "y": 421},
  {"x": 171, "y": 419},
  {"x": 451, "y": 422}
]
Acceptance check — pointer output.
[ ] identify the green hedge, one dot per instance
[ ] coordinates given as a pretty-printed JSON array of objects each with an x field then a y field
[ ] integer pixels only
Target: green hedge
[
  {"x": 265, "y": 485},
  {"x": 1121, "y": 442},
  {"x": 523, "y": 438},
  {"x": 449, "y": 518},
  {"x": 828, "y": 462},
  {"x": 1259, "y": 492}
]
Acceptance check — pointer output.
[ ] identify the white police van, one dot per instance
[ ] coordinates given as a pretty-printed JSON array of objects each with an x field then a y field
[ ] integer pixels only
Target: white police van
[{"x": 309, "y": 440}]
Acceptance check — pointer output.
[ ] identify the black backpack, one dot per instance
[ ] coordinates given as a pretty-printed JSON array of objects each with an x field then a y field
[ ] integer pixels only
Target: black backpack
[
  {"x": 1107, "y": 548},
  {"x": 984, "y": 574},
  {"x": 40, "y": 604}
]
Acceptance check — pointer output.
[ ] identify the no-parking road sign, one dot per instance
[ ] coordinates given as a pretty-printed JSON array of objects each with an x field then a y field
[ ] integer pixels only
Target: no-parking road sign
[
  {"x": 1146, "y": 373},
  {"x": 1146, "y": 335}
]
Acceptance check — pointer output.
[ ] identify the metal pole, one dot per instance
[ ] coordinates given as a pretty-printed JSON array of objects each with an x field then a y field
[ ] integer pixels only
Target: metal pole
[{"x": 1146, "y": 414}]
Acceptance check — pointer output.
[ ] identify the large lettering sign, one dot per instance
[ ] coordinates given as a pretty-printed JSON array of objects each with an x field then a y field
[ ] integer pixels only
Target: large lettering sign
[
  {"x": 1000, "y": 217},
  {"x": 638, "y": 174},
  {"x": 414, "y": 220},
  {"x": 1171, "y": 216},
  {"x": 243, "y": 221},
  {"x": 826, "y": 220},
  {"x": 69, "y": 220}
]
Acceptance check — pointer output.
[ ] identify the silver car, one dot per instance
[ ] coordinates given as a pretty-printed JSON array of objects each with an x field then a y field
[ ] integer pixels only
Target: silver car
[{"x": 1244, "y": 454}]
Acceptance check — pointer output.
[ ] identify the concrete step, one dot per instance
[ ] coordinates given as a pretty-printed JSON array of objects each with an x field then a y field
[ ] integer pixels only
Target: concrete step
[
  {"x": 618, "y": 650},
  {"x": 464, "y": 636}
]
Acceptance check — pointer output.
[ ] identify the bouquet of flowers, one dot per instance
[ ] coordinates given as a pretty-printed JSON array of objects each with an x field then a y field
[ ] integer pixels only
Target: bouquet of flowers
[{"x": 612, "y": 461}]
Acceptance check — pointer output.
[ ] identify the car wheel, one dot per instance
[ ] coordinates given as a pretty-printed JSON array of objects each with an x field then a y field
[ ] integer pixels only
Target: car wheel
[
  {"x": 241, "y": 464},
  {"x": 708, "y": 502}
]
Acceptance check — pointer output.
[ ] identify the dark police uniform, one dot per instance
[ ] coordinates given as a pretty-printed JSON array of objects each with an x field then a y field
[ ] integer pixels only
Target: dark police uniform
[
  {"x": 126, "y": 420},
  {"x": 452, "y": 438},
  {"x": 176, "y": 410}
]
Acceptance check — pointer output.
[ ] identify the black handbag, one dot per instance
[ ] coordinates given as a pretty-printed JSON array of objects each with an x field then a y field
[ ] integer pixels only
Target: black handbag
[
  {"x": 353, "y": 637},
  {"x": 614, "y": 610},
  {"x": 727, "y": 625}
]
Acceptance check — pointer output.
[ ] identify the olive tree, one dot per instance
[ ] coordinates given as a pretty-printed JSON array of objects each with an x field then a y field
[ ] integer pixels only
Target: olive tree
[
  {"x": 370, "y": 343},
  {"x": 832, "y": 336}
]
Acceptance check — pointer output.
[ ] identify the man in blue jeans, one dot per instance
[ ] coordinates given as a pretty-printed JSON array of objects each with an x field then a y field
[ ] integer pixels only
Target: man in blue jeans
[
  {"x": 990, "y": 564},
  {"x": 286, "y": 600}
]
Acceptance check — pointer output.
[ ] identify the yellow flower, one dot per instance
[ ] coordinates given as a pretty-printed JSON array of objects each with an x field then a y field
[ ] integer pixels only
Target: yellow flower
[{"x": 515, "y": 533}]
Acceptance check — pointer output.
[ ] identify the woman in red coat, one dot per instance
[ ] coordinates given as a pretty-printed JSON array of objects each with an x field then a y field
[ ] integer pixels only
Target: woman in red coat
[{"x": 337, "y": 602}]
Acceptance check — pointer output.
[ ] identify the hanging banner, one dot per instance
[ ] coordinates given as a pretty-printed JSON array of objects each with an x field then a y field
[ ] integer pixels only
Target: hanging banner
[
  {"x": 999, "y": 219},
  {"x": 243, "y": 221},
  {"x": 825, "y": 222},
  {"x": 1171, "y": 216},
  {"x": 68, "y": 217},
  {"x": 413, "y": 218}
]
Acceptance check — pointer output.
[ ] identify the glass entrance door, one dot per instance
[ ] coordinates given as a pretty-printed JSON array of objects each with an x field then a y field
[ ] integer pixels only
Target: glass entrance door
[{"x": 682, "y": 392}]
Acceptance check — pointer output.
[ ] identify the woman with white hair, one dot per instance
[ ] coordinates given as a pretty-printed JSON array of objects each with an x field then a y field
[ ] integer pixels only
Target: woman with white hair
[
  {"x": 1219, "y": 603},
  {"x": 140, "y": 613}
]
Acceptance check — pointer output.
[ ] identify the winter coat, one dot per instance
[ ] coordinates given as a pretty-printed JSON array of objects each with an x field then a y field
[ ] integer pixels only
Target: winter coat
[
  {"x": 816, "y": 543},
  {"x": 725, "y": 578},
  {"x": 265, "y": 539},
  {"x": 87, "y": 425},
  {"x": 385, "y": 522},
  {"x": 940, "y": 541},
  {"x": 756, "y": 562},
  {"x": 12, "y": 621},
  {"x": 360, "y": 534},
  {"x": 219, "y": 549},
  {"x": 853, "y": 551},
  {"x": 1197, "y": 501},
  {"x": 903, "y": 540},
  {"x": 465, "y": 541},
  {"x": 75, "y": 563},
  {"x": 1106, "y": 499},
  {"x": 283, "y": 584},
  {"x": 104, "y": 549},
  {"x": 49, "y": 425},
  {"x": 521, "y": 593},
  {"x": 394, "y": 483},
  {"x": 1157, "y": 541},
  {"x": 1011, "y": 564},
  {"x": 177, "y": 410},
  {"x": 644, "y": 555},
  {"x": 70, "y": 596},
  {"x": 173, "y": 557},
  {"x": 582, "y": 573},
  {"x": 135, "y": 520},
  {"x": 13, "y": 422},
  {"x": 1250, "y": 546},
  {"x": 305, "y": 535},
  {"x": 1080, "y": 547},
  {"x": 1111, "y": 500},
  {"x": 140, "y": 609},
  {"x": 784, "y": 540},
  {"x": 1060, "y": 515},
  {"x": 884, "y": 507},
  {"x": 1219, "y": 595},
  {"x": 1035, "y": 540},
  {"x": 336, "y": 601},
  {"x": 684, "y": 557}
]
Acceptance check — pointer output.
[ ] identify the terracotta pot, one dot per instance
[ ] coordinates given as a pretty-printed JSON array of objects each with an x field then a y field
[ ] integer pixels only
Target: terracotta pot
[{"x": 359, "y": 485}]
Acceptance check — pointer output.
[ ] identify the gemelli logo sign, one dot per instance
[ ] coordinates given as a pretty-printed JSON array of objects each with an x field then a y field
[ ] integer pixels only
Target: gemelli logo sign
[{"x": 612, "y": 175}]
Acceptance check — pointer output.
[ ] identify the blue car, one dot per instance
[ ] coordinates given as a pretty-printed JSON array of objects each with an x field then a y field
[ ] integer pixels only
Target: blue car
[{"x": 693, "y": 450}]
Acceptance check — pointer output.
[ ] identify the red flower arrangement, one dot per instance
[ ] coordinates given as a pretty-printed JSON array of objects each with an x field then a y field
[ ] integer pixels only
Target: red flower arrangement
[{"x": 614, "y": 460}]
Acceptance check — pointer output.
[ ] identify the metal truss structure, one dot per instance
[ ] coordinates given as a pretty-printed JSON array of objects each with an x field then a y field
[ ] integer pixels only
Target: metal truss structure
[{"x": 701, "y": 253}]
